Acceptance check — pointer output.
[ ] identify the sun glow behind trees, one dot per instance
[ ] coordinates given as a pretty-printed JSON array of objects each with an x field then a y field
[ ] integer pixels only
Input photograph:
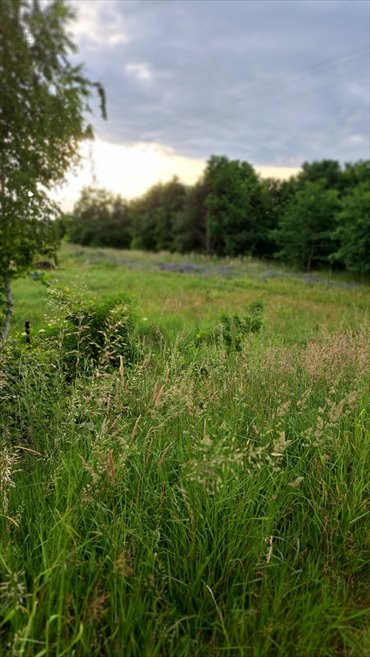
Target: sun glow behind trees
[{"x": 130, "y": 170}]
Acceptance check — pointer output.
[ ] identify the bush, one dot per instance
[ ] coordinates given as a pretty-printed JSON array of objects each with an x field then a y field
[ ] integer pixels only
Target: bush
[
  {"x": 231, "y": 330},
  {"x": 88, "y": 334}
]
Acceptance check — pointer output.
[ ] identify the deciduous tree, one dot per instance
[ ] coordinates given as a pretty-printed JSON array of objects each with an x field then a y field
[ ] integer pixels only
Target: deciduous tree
[
  {"x": 43, "y": 103},
  {"x": 190, "y": 230},
  {"x": 234, "y": 207},
  {"x": 305, "y": 232},
  {"x": 353, "y": 231},
  {"x": 100, "y": 219}
]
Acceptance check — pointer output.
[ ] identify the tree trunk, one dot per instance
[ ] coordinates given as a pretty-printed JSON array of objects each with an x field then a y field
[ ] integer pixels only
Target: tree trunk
[
  {"x": 9, "y": 309},
  {"x": 310, "y": 256},
  {"x": 207, "y": 240}
]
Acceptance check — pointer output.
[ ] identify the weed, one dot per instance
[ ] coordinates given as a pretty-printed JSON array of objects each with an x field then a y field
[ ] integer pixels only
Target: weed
[{"x": 231, "y": 330}]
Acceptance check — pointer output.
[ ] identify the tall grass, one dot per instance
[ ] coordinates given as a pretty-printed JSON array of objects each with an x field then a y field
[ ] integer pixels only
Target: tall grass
[{"x": 201, "y": 502}]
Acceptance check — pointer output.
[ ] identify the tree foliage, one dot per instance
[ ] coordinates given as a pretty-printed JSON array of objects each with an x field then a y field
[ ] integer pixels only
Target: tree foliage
[
  {"x": 145, "y": 212},
  {"x": 304, "y": 233},
  {"x": 173, "y": 196},
  {"x": 154, "y": 216},
  {"x": 44, "y": 98},
  {"x": 353, "y": 231},
  {"x": 234, "y": 207},
  {"x": 356, "y": 173},
  {"x": 190, "y": 229},
  {"x": 326, "y": 171},
  {"x": 100, "y": 219},
  {"x": 318, "y": 218}
]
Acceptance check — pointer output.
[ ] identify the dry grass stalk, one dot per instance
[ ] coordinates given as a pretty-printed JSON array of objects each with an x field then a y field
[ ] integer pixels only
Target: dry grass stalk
[
  {"x": 157, "y": 393},
  {"x": 164, "y": 453},
  {"x": 122, "y": 372},
  {"x": 136, "y": 427}
]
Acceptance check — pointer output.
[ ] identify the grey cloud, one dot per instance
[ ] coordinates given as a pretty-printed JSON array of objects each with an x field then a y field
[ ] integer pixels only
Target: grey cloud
[{"x": 270, "y": 81}]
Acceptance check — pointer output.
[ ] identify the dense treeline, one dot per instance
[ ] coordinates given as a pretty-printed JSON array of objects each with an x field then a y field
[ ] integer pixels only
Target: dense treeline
[{"x": 316, "y": 219}]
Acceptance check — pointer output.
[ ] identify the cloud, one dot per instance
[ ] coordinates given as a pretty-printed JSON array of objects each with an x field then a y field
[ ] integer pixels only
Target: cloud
[
  {"x": 140, "y": 71},
  {"x": 98, "y": 25},
  {"x": 274, "y": 83}
]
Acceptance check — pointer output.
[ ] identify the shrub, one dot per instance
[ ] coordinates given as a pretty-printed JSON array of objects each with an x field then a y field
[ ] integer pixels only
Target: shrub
[
  {"x": 231, "y": 330},
  {"x": 87, "y": 333}
]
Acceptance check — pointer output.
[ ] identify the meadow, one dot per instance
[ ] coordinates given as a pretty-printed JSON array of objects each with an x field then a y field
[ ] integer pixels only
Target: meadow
[{"x": 202, "y": 493}]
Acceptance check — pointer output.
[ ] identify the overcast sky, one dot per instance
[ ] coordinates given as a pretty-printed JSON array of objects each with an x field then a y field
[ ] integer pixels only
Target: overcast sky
[{"x": 274, "y": 82}]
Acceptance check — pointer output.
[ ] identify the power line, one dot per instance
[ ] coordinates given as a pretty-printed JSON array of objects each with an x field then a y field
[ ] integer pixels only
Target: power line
[
  {"x": 248, "y": 111},
  {"x": 256, "y": 90}
]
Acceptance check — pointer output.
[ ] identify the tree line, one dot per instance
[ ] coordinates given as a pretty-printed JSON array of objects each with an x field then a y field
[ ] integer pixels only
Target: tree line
[{"x": 316, "y": 219}]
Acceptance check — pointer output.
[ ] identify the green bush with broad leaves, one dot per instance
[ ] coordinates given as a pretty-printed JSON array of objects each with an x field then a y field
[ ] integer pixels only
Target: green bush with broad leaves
[
  {"x": 231, "y": 330},
  {"x": 87, "y": 334}
]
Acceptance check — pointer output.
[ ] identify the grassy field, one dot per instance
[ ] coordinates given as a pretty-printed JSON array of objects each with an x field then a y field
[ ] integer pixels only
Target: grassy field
[
  {"x": 295, "y": 308},
  {"x": 207, "y": 498}
]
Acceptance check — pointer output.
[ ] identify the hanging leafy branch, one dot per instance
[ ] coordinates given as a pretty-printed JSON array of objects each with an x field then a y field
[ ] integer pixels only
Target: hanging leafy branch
[{"x": 43, "y": 106}]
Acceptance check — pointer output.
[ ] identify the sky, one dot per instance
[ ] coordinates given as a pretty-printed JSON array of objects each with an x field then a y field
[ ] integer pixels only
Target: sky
[{"x": 272, "y": 82}]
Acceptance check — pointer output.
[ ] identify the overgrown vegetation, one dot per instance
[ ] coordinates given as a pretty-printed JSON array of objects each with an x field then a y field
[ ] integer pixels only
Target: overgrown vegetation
[
  {"x": 195, "y": 499},
  {"x": 231, "y": 330}
]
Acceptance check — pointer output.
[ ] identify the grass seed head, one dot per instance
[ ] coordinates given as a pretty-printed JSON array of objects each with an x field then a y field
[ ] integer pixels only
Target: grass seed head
[{"x": 8, "y": 460}]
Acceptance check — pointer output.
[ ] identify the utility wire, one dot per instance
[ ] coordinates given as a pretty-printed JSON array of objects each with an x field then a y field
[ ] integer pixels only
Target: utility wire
[
  {"x": 256, "y": 90},
  {"x": 286, "y": 95},
  {"x": 249, "y": 112}
]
